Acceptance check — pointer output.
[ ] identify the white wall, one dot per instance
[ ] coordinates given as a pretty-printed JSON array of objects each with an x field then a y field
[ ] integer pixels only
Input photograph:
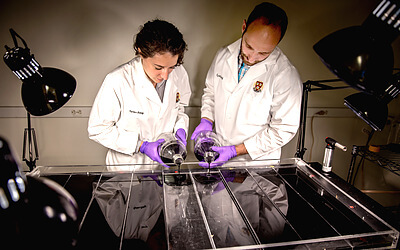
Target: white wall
[{"x": 88, "y": 38}]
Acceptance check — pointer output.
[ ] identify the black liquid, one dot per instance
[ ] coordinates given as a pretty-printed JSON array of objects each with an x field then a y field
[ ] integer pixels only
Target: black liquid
[
  {"x": 170, "y": 151},
  {"x": 177, "y": 180},
  {"x": 207, "y": 178},
  {"x": 205, "y": 147},
  {"x": 199, "y": 152}
]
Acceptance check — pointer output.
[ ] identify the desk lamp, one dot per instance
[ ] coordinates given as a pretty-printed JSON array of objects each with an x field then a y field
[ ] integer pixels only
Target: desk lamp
[
  {"x": 362, "y": 57},
  {"x": 43, "y": 91}
]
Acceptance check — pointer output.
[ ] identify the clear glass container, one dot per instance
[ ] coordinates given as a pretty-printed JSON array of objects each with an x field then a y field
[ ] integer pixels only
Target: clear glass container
[
  {"x": 202, "y": 146},
  {"x": 172, "y": 151}
]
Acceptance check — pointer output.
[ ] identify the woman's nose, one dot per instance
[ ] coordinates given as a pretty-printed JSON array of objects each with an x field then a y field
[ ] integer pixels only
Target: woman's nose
[{"x": 164, "y": 74}]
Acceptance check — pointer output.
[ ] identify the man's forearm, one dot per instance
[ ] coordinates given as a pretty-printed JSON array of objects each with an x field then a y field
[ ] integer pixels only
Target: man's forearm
[{"x": 241, "y": 149}]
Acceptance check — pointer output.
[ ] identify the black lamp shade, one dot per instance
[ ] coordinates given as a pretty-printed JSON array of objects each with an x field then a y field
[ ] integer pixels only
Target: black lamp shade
[
  {"x": 44, "y": 95},
  {"x": 356, "y": 57},
  {"x": 44, "y": 90},
  {"x": 369, "y": 108},
  {"x": 362, "y": 57}
]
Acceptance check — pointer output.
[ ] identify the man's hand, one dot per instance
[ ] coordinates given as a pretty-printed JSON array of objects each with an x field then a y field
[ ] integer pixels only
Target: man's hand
[
  {"x": 225, "y": 154},
  {"x": 205, "y": 125}
]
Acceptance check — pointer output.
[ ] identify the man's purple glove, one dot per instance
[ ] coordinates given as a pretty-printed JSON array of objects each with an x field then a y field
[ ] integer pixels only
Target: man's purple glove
[
  {"x": 151, "y": 150},
  {"x": 225, "y": 154},
  {"x": 204, "y": 164},
  {"x": 181, "y": 135},
  {"x": 205, "y": 125}
]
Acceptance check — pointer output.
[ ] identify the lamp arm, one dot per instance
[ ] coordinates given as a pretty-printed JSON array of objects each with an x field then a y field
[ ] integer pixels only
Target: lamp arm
[
  {"x": 302, "y": 127},
  {"x": 307, "y": 87}
]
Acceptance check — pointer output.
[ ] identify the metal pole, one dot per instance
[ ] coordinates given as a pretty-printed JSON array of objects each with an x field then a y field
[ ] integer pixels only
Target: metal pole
[
  {"x": 29, "y": 134},
  {"x": 307, "y": 87}
]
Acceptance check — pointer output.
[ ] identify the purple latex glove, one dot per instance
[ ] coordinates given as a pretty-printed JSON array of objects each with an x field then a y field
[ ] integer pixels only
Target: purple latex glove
[
  {"x": 181, "y": 135},
  {"x": 205, "y": 125},
  {"x": 151, "y": 150},
  {"x": 204, "y": 164},
  {"x": 225, "y": 154}
]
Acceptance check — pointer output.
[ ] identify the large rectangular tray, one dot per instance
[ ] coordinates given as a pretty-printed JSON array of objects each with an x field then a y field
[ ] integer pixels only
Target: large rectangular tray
[{"x": 280, "y": 204}]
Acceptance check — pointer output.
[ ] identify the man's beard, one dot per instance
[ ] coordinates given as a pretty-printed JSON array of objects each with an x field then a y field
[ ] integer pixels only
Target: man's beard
[{"x": 243, "y": 57}]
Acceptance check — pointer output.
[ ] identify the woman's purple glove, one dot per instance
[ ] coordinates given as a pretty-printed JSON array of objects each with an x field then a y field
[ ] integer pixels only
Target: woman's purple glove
[
  {"x": 205, "y": 125},
  {"x": 151, "y": 150},
  {"x": 225, "y": 154},
  {"x": 181, "y": 135}
]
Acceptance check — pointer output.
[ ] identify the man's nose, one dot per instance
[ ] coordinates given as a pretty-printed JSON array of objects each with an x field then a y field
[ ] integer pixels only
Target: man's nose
[{"x": 251, "y": 57}]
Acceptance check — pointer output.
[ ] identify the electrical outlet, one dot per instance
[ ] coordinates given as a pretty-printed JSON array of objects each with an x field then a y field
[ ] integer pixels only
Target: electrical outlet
[
  {"x": 76, "y": 112},
  {"x": 365, "y": 131},
  {"x": 321, "y": 112}
]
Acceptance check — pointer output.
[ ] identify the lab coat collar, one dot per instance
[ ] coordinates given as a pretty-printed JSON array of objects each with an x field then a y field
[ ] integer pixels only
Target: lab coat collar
[
  {"x": 234, "y": 50},
  {"x": 144, "y": 83},
  {"x": 148, "y": 89},
  {"x": 255, "y": 70}
]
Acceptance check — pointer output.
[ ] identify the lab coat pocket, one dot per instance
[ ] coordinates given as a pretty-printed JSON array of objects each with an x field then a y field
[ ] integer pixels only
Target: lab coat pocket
[{"x": 255, "y": 109}]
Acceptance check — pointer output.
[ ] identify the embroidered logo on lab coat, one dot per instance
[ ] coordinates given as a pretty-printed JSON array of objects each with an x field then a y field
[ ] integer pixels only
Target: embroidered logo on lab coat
[
  {"x": 178, "y": 97},
  {"x": 258, "y": 86}
]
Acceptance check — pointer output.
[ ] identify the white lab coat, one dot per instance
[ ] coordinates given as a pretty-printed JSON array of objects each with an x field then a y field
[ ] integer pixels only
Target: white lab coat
[
  {"x": 263, "y": 120},
  {"x": 128, "y": 110}
]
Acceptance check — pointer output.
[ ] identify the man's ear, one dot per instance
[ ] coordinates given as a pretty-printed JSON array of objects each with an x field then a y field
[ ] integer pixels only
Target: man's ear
[{"x": 243, "y": 26}]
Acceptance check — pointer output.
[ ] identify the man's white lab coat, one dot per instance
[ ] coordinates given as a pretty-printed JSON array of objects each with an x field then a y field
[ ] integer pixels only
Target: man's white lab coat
[{"x": 262, "y": 110}]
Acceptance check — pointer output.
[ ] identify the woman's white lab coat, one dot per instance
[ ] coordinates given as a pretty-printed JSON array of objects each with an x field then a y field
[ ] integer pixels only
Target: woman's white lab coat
[
  {"x": 262, "y": 110},
  {"x": 128, "y": 110}
]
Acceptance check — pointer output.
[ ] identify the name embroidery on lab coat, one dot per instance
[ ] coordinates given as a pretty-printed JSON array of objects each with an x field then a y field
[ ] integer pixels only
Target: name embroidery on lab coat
[
  {"x": 258, "y": 86},
  {"x": 178, "y": 97},
  {"x": 136, "y": 112}
]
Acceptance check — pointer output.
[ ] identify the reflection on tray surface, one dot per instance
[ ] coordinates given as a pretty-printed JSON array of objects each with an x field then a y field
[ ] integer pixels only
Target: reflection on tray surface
[{"x": 222, "y": 208}]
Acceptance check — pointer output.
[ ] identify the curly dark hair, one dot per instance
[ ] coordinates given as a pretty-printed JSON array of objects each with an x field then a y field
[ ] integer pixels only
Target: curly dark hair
[{"x": 159, "y": 36}]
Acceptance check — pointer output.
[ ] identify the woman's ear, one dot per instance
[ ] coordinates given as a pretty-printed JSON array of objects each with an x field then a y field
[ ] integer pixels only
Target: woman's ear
[{"x": 140, "y": 53}]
